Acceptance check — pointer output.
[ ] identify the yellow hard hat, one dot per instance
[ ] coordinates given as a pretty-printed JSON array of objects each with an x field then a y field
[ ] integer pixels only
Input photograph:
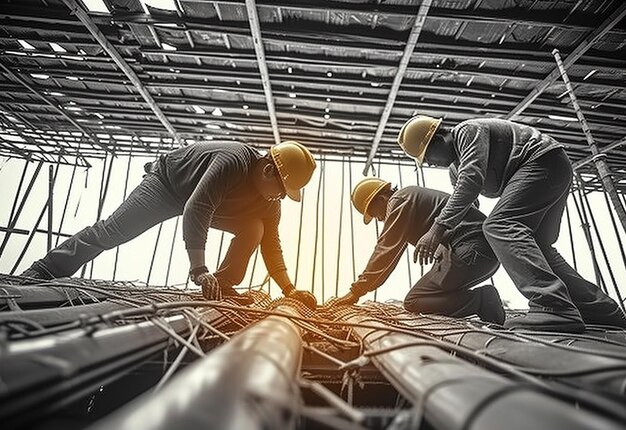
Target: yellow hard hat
[
  {"x": 416, "y": 134},
  {"x": 295, "y": 166},
  {"x": 364, "y": 192}
]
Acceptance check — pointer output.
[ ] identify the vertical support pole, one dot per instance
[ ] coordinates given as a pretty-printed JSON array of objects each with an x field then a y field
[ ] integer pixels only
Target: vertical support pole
[
  {"x": 299, "y": 236},
  {"x": 571, "y": 236},
  {"x": 317, "y": 219},
  {"x": 323, "y": 231},
  {"x": 50, "y": 207},
  {"x": 13, "y": 221},
  {"x": 169, "y": 261},
  {"x": 582, "y": 215},
  {"x": 341, "y": 205},
  {"x": 351, "y": 222},
  {"x": 599, "y": 158}
]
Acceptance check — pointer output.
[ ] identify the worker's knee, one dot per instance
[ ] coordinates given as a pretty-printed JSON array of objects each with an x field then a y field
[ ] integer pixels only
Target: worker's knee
[
  {"x": 411, "y": 304},
  {"x": 252, "y": 230},
  {"x": 493, "y": 228}
]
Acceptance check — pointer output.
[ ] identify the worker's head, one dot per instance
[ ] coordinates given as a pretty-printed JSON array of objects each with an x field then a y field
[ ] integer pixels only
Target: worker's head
[
  {"x": 370, "y": 198},
  {"x": 416, "y": 136},
  {"x": 287, "y": 168}
]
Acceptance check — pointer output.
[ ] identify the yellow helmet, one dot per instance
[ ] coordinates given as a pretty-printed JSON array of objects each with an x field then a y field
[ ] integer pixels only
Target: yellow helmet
[
  {"x": 295, "y": 166},
  {"x": 416, "y": 134},
  {"x": 364, "y": 192}
]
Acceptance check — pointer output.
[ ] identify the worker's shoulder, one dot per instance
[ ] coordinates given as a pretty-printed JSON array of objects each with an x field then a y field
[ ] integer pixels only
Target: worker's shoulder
[
  {"x": 233, "y": 152},
  {"x": 415, "y": 192},
  {"x": 482, "y": 122}
]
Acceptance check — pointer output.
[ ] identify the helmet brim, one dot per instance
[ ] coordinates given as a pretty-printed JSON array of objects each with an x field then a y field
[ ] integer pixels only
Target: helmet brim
[{"x": 295, "y": 195}]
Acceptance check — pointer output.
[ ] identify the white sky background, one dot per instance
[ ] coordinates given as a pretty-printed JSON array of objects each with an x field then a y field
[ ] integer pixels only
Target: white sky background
[{"x": 135, "y": 256}]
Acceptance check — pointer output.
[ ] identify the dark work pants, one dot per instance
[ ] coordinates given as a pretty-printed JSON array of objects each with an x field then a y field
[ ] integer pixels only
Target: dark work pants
[
  {"x": 521, "y": 230},
  {"x": 445, "y": 288},
  {"x": 147, "y": 205}
]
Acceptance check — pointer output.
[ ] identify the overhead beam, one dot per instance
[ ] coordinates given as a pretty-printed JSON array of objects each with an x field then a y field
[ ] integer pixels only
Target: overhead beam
[
  {"x": 526, "y": 18},
  {"x": 84, "y": 17},
  {"x": 580, "y": 50},
  {"x": 395, "y": 87},
  {"x": 57, "y": 109},
  {"x": 255, "y": 28}
]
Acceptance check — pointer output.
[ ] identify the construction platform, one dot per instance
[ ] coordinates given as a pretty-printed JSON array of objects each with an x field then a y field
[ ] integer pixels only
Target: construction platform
[{"x": 92, "y": 354}]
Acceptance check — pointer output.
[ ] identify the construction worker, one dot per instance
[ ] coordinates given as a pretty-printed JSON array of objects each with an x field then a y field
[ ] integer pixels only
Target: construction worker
[
  {"x": 465, "y": 260},
  {"x": 531, "y": 174},
  {"x": 228, "y": 186}
]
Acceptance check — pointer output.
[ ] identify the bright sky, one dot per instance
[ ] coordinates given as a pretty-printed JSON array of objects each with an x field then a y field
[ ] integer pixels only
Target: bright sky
[{"x": 135, "y": 257}]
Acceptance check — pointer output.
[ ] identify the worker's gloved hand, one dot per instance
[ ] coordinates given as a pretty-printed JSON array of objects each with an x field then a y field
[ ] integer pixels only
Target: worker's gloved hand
[
  {"x": 347, "y": 300},
  {"x": 210, "y": 287},
  {"x": 302, "y": 296},
  {"x": 427, "y": 245}
]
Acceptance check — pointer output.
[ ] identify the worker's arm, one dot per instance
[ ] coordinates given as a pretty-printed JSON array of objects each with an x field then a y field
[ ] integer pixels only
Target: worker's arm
[
  {"x": 473, "y": 147},
  {"x": 389, "y": 248},
  {"x": 454, "y": 175},
  {"x": 272, "y": 252},
  {"x": 222, "y": 174}
]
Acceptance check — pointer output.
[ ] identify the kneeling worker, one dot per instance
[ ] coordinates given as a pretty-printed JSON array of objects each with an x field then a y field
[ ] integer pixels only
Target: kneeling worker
[{"x": 463, "y": 262}]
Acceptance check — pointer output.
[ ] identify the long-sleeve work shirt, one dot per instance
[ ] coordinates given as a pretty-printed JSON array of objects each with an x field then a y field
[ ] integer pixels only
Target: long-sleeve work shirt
[
  {"x": 213, "y": 182},
  {"x": 410, "y": 213},
  {"x": 489, "y": 152}
]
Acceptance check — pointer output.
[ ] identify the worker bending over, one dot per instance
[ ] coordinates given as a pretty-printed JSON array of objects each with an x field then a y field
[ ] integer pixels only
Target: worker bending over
[
  {"x": 226, "y": 186},
  {"x": 531, "y": 174},
  {"x": 465, "y": 257}
]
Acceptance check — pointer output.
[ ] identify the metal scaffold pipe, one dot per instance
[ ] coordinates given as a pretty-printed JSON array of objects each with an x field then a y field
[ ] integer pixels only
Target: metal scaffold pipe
[
  {"x": 247, "y": 383},
  {"x": 602, "y": 166},
  {"x": 437, "y": 382}
]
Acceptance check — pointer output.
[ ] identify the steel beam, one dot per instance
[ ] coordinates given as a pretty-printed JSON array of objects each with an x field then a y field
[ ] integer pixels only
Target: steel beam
[
  {"x": 60, "y": 111},
  {"x": 395, "y": 87},
  {"x": 438, "y": 382},
  {"x": 580, "y": 50},
  {"x": 91, "y": 26},
  {"x": 259, "y": 50},
  {"x": 602, "y": 166},
  {"x": 247, "y": 383}
]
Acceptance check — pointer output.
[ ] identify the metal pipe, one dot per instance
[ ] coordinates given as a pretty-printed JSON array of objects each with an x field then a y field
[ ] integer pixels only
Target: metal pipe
[
  {"x": 437, "y": 382},
  {"x": 13, "y": 221},
  {"x": 50, "y": 199},
  {"x": 247, "y": 383},
  {"x": 91, "y": 26},
  {"x": 59, "y": 369},
  {"x": 589, "y": 41},
  {"x": 420, "y": 18},
  {"x": 601, "y": 153},
  {"x": 257, "y": 41},
  {"x": 601, "y": 165}
]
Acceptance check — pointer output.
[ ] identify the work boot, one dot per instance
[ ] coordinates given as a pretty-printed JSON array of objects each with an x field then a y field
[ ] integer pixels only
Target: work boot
[
  {"x": 241, "y": 299},
  {"x": 543, "y": 320},
  {"x": 491, "y": 309},
  {"x": 614, "y": 319},
  {"x": 36, "y": 271}
]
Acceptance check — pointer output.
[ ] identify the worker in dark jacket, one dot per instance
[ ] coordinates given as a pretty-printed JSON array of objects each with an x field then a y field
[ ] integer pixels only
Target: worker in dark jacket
[
  {"x": 227, "y": 186},
  {"x": 465, "y": 258},
  {"x": 531, "y": 174}
]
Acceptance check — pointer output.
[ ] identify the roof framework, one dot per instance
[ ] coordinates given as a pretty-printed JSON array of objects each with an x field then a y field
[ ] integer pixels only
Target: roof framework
[{"x": 342, "y": 77}]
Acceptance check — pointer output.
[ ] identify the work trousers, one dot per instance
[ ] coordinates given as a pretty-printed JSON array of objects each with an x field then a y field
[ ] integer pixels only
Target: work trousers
[
  {"x": 522, "y": 228},
  {"x": 445, "y": 288},
  {"x": 148, "y": 205}
]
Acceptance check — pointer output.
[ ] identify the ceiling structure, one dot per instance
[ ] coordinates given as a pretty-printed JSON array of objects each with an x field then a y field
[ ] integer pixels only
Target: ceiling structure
[{"x": 82, "y": 78}]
